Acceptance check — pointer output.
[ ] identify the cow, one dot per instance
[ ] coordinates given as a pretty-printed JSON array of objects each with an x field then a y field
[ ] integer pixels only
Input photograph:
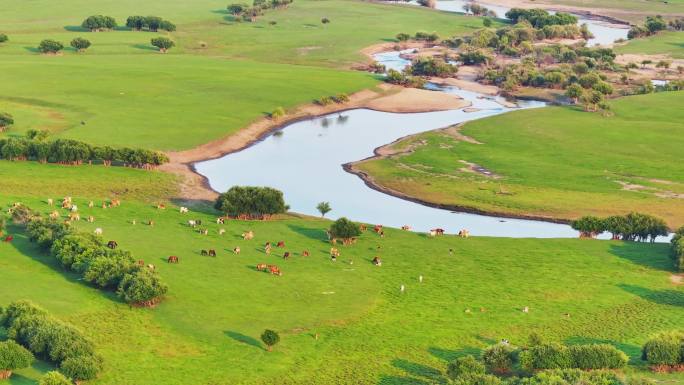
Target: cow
[
  {"x": 104, "y": 205},
  {"x": 305, "y": 253},
  {"x": 9, "y": 238},
  {"x": 526, "y": 309},
  {"x": 204, "y": 231},
  {"x": 281, "y": 244},
  {"x": 172, "y": 259},
  {"x": 222, "y": 231},
  {"x": 377, "y": 261},
  {"x": 74, "y": 217},
  {"x": 204, "y": 252},
  {"x": 50, "y": 202},
  {"x": 363, "y": 227},
  {"x": 91, "y": 219},
  {"x": 275, "y": 270},
  {"x": 112, "y": 244},
  {"x": 161, "y": 206},
  {"x": 406, "y": 228},
  {"x": 286, "y": 255},
  {"x": 98, "y": 231},
  {"x": 140, "y": 262},
  {"x": 220, "y": 221},
  {"x": 464, "y": 233},
  {"x": 91, "y": 204},
  {"x": 116, "y": 203},
  {"x": 133, "y": 222},
  {"x": 420, "y": 278},
  {"x": 74, "y": 208},
  {"x": 199, "y": 222},
  {"x": 402, "y": 288},
  {"x": 150, "y": 223},
  {"x": 236, "y": 251},
  {"x": 437, "y": 232},
  {"x": 248, "y": 235},
  {"x": 377, "y": 229},
  {"x": 54, "y": 214},
  {"x": 267, "y": 248},
  {"x": 151, "y": 266},
  {"x": 334, "y": 251},
  {"x": 261, "y": 267},
  {"x": 192, "y": 223},
  {"x": 432, "y": 233},
  {"x": 212, "y": 253},
  {"x": 183, "y": 210}
]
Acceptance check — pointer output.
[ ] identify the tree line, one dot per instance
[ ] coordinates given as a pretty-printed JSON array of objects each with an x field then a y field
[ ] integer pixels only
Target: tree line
[
  {"x": 244, "y": 11},
  {"x": 97, "y": 23},
  {"x": 539, "y": 18},
  {"x": 101, "y": 265},
  {"x": 631, "y": 227},
  {"x": 74, "y": 152},
  {"x": 51, "y": 339}
]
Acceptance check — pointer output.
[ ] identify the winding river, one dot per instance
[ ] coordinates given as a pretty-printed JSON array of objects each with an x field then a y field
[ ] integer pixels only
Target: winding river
[{"x": 304, "y": 160}]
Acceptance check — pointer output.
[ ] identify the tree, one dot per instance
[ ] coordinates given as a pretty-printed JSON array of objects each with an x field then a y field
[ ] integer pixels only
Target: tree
[
  {"x": 251, "y": 202},
  {"x": 646, "y": 62},
  {"x": 163, "y": 43},
  {"x": 6, "y": 120},
  {"x": 99, "y": 23},
  {"x": 142, "y": 287},
  {"x": 135, "y": 22},
  {"x": 237, "y": 9},
  {"x": 325, "y": 20},
  {"x": 50, "y": 46},
  {"x": 403, "y": 37},
  {"x": 153, "y": 23},
  {"x": 345, "y": 229},
  {"x": 603, "y": 87},
  {"x": 574, "y": 92},
  {"x": 323, "y": 208},
  {"x": 589, "y": 226},
  {"x": 80, "y": 44},
  {"x": 3, "y": 38},
  {"x": 81, "y": 368},
  {"x": 13, "y": 356},
  {"x": 487, "y": 22},
  {"x": 465, "y": 366},
  {"x": 270, "y": 338},
  {"x": 664, "y": 64},
  {"x": 252, "y": 13},
  {"x": 54, "y": 378},
  {"x": 499, "y": 358}
]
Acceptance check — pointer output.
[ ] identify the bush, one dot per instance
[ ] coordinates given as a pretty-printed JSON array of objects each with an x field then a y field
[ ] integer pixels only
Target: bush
[
  {"x": 597, "y": 356},
  {"x": 465, "y": 366},
  {"x": 142, "y": 287},
  {"x": 251, "y": 202},
  {"x": 678, "y": 249},
  {"x": 54, "y": 378},
  {"x": 341, "y": 98},
  {"x": 6, "y": 120},
  {"x": 99, "y": 23},
  {"x": 278, "y": 113},
  {"x": 664, "y": 349},
  {"x": 478, "y": 379},
  {"x": 344, "y": 228},
  {"x": 432, "y": 67},
  {"x": 3, "y": 38},
  {"x": 270, "y": 338},
  {"x": 13, "y": 356},
  {"x": 50, "y": 46},
  {"x": 546, "y": 356},
  {"x": 80, "y": 44},
  {"x": 163, "y": 43},
  {"x": 499, "y": 358},
  {"x": 81, "y": 368}
]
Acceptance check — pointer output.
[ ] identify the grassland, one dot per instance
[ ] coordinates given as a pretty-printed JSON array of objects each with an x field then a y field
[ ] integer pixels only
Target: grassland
[
  {"x": 557, "y": 162},
  {"x": 630, "y": 10},
  {"x": 121, "y": 92},
  {"x": 206, "y": 332},
  {"x": 665, "y": 43}
]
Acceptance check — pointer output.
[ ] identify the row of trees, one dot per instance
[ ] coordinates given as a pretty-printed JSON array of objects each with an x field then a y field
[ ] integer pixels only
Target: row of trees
[
  {"x": 45, "y": 336},
  {"x": 74, "y": 152},
  {"x": 630, "y": 227},
  {"x": 105, "y": 268},
  {"x": 540, "y": 18},
  {"x": 651, "y": 26},
  {"x": 149, "y": 23},
  {"x": 97, "y": 23},
  {"x": 49, "y": 46},
  {"x": 251, "y": 12},
  {"x": 251, "y": 202},
  {"x": 478, "y": 10}
]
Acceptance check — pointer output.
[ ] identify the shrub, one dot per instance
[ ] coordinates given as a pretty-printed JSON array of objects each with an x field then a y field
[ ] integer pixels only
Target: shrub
[
  {"x": 546, "y": 356},
  {"x": 80, "y": 44},
  {"x": 99, "y": 23},
  {"x": 403, "y": 37},
  {"x": 50, "y": 46},
  {"x": 142, "y": 287},
  {"x": 465, "y": 366},
  {"x": 597, "y": 356},
  {"x": 499, "y": 358},
  {"x": 251, "y": 202},
  {"x": 54, "y": 378},
  {"x": 278, "y": 113},
  {"x": 342, "y": 98},
  {"x": 81, "y": 368},
  {"x": 344, "y": 228},
  {"x": 270, "y": 338},
  {"x": 424, "y": 36},
  {"x": 3, "y": 38},
  {"x": 6, "y": 120},
  {"x": 13, "y": 356},
  {"x": 430, "y": 66},
  {"x": 163, "y": 43},
  {"x": 478, "y": 379},
  {"x": 664, "y": 349}
]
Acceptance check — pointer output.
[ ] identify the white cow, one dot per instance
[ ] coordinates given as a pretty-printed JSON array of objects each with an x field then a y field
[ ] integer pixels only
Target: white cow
[{"x": 98, "y": 231}]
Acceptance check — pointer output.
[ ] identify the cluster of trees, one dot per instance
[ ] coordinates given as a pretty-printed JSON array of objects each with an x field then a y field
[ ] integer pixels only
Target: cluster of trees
[
  {"x": 651, "y": 26},
  {"x": 429, "y": 37},
  {"x": 630, "y": 227},
  {"x": 251, "y": 202},
  {"x": 585, "y": 357},
  {"x": 105, "y": 268},
  {"x": 149, "y": 23},
  {"x": 404, "y": 79},
  {"x": 540, "y": 18},
  {"x": 664, "y": 351},
  {"x": 74, "y": 152},
  {"x": 478, "y": 10},
  {"x": 678, "y": 249},
  {"x": 430, "y": 66},
  {"x": 53, "y": 340},
  {"x": 258, "y": 7},
  {"x": 97, "y": 23}
]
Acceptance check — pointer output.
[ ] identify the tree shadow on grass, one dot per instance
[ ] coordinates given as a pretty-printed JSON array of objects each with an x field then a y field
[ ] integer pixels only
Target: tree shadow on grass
[
  {"x": 203, "y": 206},
  {"x": 239, "y": 337},
  {"x": 418, "y": 370},
  {"x": 32, "y": 49},
  {"x": 449, "y": 355},
  {"x": 660, "y": 297},
  {"x": 632, "y": 351},
  {"x": 309, "y": 232},
  {"x": 145, "y": 47},
  {"x": 653, "y": 255},
  {"x": 397, "y": 380},
  {"x": 75, "y": 28}
]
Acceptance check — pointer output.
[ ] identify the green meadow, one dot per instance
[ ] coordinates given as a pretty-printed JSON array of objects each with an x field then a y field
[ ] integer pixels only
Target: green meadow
[
  {"x": 556, "y": 162},
  {"x": 664, "y": 43}
]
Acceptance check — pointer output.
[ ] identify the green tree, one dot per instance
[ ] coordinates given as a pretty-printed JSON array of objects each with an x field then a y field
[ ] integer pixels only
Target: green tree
[
  {"x": 153, "y": 23},
  {"x": 325, "y": 20},
  {"x": 54, "y": 378},
  {"x": 487, "y": 22},
  {"x": 3, "y": 38},
  {"x": 403, "y": 37},
  {"x": 142, "y": 287},
  {"x": 603, "y": 87},
  {"x": 237, "y": 9},
  {"x": 163, "y": 43},
  {"x": 574, "y": 92},
  {"x": 13, "y": 356},
  {"x": 6, "y": 120},
  {"x": 589, "y": 226},
  {"x": 323, "y": 208},
  {"x": 136, "y": 22},
  {"x": 80, "y": 44},
  {"x": 270, "y": 338},
  {"x": 81, "y": 368},
  {"x": 465, "y": 366},
  {"x": 99, "y": 23},
  {"x": 345, "y": 229},
  {"x": 499, "y": 358},
  {"x": 50, "y": 46},
  {"x": 251, "y": 202}
]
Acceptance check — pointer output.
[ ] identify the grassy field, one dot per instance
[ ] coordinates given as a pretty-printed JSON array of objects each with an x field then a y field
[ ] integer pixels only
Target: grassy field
[
  {"x": 121, "y": 92},
  {"x": 665, "y": 43},
  {"x": 631, "y": 10},
  {"x": 555, "y": 162},
  {"x": 207, "y": 330}
]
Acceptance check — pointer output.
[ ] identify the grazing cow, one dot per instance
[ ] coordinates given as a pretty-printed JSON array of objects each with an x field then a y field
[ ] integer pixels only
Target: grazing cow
[
  {"x": 286, "y": 255},
  {"x": 183, "y": 210},
  {"x": 281, "y": 244},
  {"x": 54, "y": 214},
  {"x": 382, "y": 233},
  {"x": 267, "y": 248},
  {"x": 406, "y": 228},
  {"x": 98, "y": 231},
  {"x": 526, "y": 309},
  {"x": 112, "y": 244},
  {"x": 377, "y": 229},
  {"x": 74, "y": 217},
  {"x": 362, "y": 227},
  {"x": 199, "y": 222},
  {"x": 261, "y": 267},
  {"x": 161, "y": 206},
  {"x": 104, "y": 205},
  {"x": 432, "y": 233},
  {"x": 91, "y": 204},
  {"x": 236, "y": 250},
  {"x": 141, "y": 262},
  {"x": 204, "y": 231},
  {"x": 437, "y": 232},
  {"x": 74, "y": 208},
  {"x": 402, "y": 288},
  {"x": 212, "y": 253},
  {"x": 150, "y": 222},
  {"x": 275, "y": 270},
  {"x": 334, "y": 252},
  {"x": 420, "y": 278},
  {"x": 377, "y": 261},
  {"x": 305, "y": 253},
  {"x": 222, "y": 231},
  {"x": 464, "y": 233},
  {"x": 134, "y": 222},
  {"x": 150, "y": 266},
  {"x": 220, "y": 221},
  {"x": 9, "y": 238},
  {"x": 172, "y": 259},
  {"x": 91, "y": 219},
  {"x": 116, "y": 203},
  {"x": 248, "y": 235},
  {"x": 204, "y": 252},
  {"x": 192, "y": 223},
  {"x": 50, "y": 202}
]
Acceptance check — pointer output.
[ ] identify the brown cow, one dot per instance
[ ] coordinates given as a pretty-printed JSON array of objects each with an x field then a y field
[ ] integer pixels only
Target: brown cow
[
  {"x": 305, "y": 253},
  {"x": 281, "y": 244},
  {"x": 275, "y": 270},
  {"x": 286, "y": 255},
  {"x": 112, "y": 244},
  {"x": 362, "y": 227},
  {"x": 236, "y": 250},
  {"x": 9, "y": 238},
  {"x": 261, "y": 267},
  {"x": 150, "y": 223},
  {"x": 141, "y": 262},
  {"x": 437, "y": 231},
  {"x": 377, "y": 228},
  {"x": 212, "y": 252},
  {"x": 172, "y": 259},
  {"x": 377, "y": 261},
  {"x": 406, "y": 228},
  {"x": 248, "y": 235}
]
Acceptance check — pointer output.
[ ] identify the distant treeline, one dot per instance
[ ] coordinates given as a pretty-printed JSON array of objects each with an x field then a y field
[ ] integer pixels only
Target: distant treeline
[
  {"x": 630, "y": 227},
  {"x": 74, "y": 152}
]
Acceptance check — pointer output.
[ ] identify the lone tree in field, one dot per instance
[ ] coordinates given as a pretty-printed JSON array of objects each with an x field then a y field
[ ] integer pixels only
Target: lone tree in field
[
  {"x": 270, "y": 338},
  {"x": 54, "y": 378},
  {"x": 323, "y": 208},
  {"x": 80, "y": 44},
  {"x": 6, "y": 120},
  {"x": 99, "y": 23},
  {"x": 3, "y": 38},
  {"x": 344, "y": 229},
  {"x": 163, "y": 43},
  {"x": 50, "y": 46},
  {"x": 13, "y": 356},
  {"x": 251, "y": 202}
]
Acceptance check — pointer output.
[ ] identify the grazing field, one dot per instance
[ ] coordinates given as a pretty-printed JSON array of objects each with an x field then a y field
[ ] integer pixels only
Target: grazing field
[
  {"x": 664, "y": 43},
  {"x": 221, "y": 76},
  {"x": 556, "y": 162},
  {"x": 630, "y": 10},
  {"x": 207, "y": 329}
]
